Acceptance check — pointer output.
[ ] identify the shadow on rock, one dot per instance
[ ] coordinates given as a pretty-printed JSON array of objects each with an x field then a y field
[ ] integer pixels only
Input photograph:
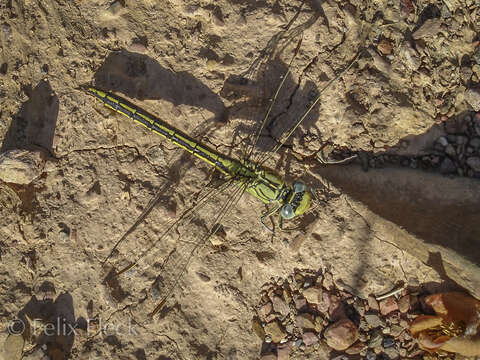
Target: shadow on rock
[
  {"x": 35, "y": 122},
  {"x": 139, "y": 76}
]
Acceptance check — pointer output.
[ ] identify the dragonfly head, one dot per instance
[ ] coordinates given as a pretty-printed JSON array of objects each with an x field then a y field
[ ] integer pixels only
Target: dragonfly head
[{"x": 297, "y": 202}]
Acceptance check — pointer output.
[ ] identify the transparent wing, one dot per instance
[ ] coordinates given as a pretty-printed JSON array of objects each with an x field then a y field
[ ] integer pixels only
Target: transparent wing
[{"x": 144, "y": 279}]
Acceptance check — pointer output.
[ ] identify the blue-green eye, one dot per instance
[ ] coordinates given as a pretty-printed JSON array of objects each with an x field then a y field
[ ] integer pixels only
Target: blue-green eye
[
  {"x": 299, "y": 187},
  {"x": 287, "y": 211}
]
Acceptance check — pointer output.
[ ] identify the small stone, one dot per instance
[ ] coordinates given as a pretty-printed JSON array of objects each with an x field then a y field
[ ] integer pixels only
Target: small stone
[
  {"x": 472, "y": 96},
  {"x": 447, "y": 166},
  {"x": 372, "y": 302},
  {"x": 268, "y": 357},
  {"x": 324, "y": 304},
  {"x": 265, "y": 310},
  {"x": 355, "y": 348},
  {"x": 475, "y": 142},
  {"x": 396, "y": 330},
  {"x": 300, "y": 303},
  {"x": 115, "y": 8},
  {"x": 374, "y": 321},
  {"x": 138, "y": 47},
  {"x": 388, "y": 342},
  {"x": 341, "y": 335},
  {"x": 309, "y": 338},
  {"x": 460, "y": 140},
  {"x": 327, "y": 281},
  {"x": 375, "y": 340},
  {"x": 474, "y": 163},
  {"x": 385, "y": 47},
  {"x": 21, "y": 166},
  {"x": 402, "y": 352},
  {"x": 450, "y": 150},
  {"x": 386, "y": 330},
  {"x": 429, "y": 28},
  {"x": 404, "y": 304},
  {"x": 275, "y": 330},
  {"x": 280, "y": 306},
  {"x": 388, "y": 305},
  {"x": 313, "y": 295},
  {"x": 392, "y": 353},
  {"x": 257, "y": 328},
  {"x": 442, "y": 141},
  {"x": 318, "y": 324},
  {"x": 371, "y": 355},
  {"x": 283, "y": 352},
  {"x": 305, "y": 321},
  {"x": 297, "y": 343}
]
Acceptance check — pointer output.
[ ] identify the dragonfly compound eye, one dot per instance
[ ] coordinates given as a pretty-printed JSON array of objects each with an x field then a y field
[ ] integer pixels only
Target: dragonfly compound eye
[
  {"x": 287, "y": 211},
  {"x": 299, "y": 187}
]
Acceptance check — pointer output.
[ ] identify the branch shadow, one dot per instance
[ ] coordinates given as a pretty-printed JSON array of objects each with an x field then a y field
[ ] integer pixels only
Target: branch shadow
[
  {"x": 34, "y": 124},
  {"x": 141, "y": 77}
]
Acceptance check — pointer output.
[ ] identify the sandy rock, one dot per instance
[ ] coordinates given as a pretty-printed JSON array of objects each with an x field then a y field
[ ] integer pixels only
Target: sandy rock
[
  {"x": 276, "y": 331},
  {"x": 472, "y": 96},
  {"x": 313, "y": 295},
  {"x": 283, "y": 351},
  {"x": 341, "y": 335},
  {"x": 388, "y": 305},
  {"x": 300, "y": 303},
  {"x": 309, "y": 338},
  {"x": 13, "y": 347},
  {"x": 404, "y": 304},
  {"x": 21, "y": 166}
]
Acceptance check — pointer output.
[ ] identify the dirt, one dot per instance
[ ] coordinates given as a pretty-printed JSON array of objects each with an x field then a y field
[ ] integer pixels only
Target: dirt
[{"x": 210, "y": 69}]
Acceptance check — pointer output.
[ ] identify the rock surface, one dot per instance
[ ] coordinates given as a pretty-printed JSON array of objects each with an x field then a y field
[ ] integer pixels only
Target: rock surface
[
  {"x": 341, "y": 335},
  {"x": 21, "y": 166}
]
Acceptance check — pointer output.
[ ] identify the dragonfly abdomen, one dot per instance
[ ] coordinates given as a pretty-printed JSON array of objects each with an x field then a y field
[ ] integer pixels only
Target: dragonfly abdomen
[{"x": 224, "y": 164}]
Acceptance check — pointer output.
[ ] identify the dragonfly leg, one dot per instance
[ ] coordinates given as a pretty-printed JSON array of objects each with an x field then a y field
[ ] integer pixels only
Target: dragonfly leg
[{"x": 267, "y": 215}]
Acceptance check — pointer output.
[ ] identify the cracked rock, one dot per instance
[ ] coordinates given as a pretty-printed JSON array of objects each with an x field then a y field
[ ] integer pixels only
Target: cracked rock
[{"x": 21, "y": 166}]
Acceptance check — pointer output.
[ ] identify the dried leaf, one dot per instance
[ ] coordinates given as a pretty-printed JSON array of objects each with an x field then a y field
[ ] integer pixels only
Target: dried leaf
[{"x": 424, "y": 322}]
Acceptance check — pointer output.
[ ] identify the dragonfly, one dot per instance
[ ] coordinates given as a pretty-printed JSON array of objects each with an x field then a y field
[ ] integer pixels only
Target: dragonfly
[{"x": 288, "y": 201}]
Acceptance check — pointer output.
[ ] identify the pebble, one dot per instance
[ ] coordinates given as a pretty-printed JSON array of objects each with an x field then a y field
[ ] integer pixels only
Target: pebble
[
  {"x": 341, "y": 335},
  {"x": 388, "y": 305},
  {"x": 474, "y": 163},
  {"x": 115, "y": 8},
  {"x": 21, "y": 166},
  {"x": 450, "y": 150},
  {"x": 305, "y": 321},
  {"x": 313, "y": 295},
  {"x": 404, "y": 304},
  {"x": 275, "y": 330},
  {"x": 374, "y": 321},
  {"x": 257, "y": 328},
  {"x": 375, "y": 340},
  {"x": 475, "y": 142},
  {"x": 268, "y": 357},
  {"x": 447, "y": 166},
  {"x": 372, "y": 302},
  {"x": 265, "y": 310},
  {"x": 371, "y": 355},
  {"x": 309, "y": 338},
  {"x": 388, "y": 342},
  {"x": 472, "y": 96},
  {"x": 396, "y": 330},
  {"x": 300, "y": 303},
  {"x": 283, "y": 352},
  {"x": 280, "y": 306},
  {"x": 392, "y": 353},
  {"x": 385, "y": 47},
  {"x": 442, "y": 141},
  {"x": 355, "y": 348},
  {"x": 429, "y": 28}
]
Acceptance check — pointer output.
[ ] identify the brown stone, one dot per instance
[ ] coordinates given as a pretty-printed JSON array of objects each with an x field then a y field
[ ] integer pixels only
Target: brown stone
[
  {"x": 309, "y": 338},
  {"x": 276, "y": 331},
  {"x": 305, "y": 321},
  {"x": 355, "y": 348},
  {"x": 385, "y": 47},
  {"x": 268, "y": 357},
  {"x": 404, "y": 304},
  {"x": 373, "y": 303},
  {"x": 388, "y": 305},
  {"x": 313, "y": 295},
  {"x": 341, "y": 335},
  {"x": 258, "y": 329},
  {"x": 265, "y": 310},
  {"x": 280, "y": 306},
  {"x": 300, "y": 302}
]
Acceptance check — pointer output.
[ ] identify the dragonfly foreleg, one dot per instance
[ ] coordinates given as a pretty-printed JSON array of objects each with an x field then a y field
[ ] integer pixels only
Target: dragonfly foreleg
[{"x": 267, "y": 215}]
